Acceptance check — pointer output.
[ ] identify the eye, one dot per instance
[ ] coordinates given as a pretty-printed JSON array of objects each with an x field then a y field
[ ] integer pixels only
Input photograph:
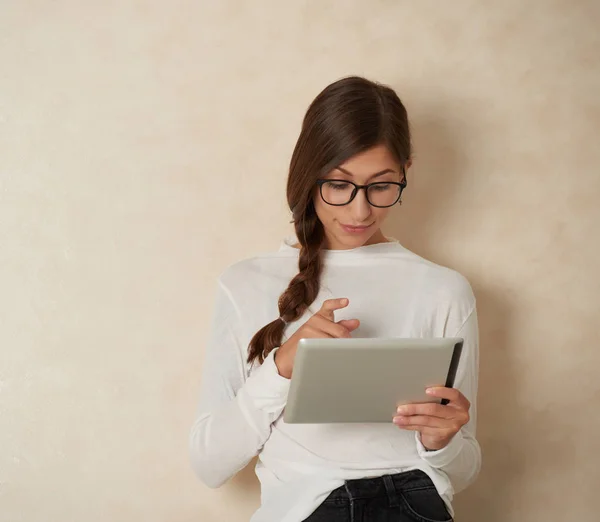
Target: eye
[
  {"x": 381, "y": 187},
  {"x": 337, "y": 185}
]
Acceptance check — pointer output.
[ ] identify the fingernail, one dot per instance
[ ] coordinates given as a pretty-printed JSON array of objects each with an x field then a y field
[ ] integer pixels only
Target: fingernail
[
  {"x": 344, "y": 301},
  {"x": 401, "y": 409},
  {"x": 430, "y": 391}
]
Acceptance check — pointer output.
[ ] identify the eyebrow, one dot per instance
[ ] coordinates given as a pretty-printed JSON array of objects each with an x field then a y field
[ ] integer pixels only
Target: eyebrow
[{"x": 377, "y": 174}]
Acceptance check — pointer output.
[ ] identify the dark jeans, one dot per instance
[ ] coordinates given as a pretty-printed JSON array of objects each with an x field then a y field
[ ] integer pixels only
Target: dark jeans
[{"x": 404, "y": 497}]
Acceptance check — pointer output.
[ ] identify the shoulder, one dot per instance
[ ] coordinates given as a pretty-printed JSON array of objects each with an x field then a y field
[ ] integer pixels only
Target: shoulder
[
  {"x": 253, "y": 270},
  {"x": 446, "y": 292},
  {"x": 251, "y": 287},
  {"x": 446, "y": 283},
  {"x": 454, "y": 285}
]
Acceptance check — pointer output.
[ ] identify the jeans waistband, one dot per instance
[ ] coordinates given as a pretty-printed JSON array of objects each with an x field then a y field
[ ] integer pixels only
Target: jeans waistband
[{"x": 388, "y": 485}]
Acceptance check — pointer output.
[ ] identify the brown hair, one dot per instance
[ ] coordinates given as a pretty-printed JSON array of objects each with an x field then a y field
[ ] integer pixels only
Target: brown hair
[{"x": 348, "y": 117}]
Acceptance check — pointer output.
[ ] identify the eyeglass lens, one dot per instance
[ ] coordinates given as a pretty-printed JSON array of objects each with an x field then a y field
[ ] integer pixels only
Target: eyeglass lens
[{"x": 378, "y": 194}]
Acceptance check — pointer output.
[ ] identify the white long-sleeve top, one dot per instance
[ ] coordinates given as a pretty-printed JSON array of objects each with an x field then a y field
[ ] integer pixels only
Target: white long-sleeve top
[{"x": 395, "y": 293}]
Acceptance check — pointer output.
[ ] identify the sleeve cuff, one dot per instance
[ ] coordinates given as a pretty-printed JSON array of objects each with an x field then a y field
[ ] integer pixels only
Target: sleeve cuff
[
  {"x": 265, "y": 389},
  {"x": 442, "y": 457}
]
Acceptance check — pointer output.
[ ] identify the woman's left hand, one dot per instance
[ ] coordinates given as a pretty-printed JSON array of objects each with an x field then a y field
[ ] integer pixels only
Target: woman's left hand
[{"x": 436, "y": 422}]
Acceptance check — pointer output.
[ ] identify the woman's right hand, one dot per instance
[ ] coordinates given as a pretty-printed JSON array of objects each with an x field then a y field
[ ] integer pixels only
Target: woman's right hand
[{"x": 320, "y": 325}]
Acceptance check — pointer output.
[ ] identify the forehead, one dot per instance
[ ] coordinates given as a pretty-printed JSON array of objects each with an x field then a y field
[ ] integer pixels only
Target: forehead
[{"x": 371, "y": 161}]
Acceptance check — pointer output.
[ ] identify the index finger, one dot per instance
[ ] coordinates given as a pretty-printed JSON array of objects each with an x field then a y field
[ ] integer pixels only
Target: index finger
[{"x": 330, "y": 305}]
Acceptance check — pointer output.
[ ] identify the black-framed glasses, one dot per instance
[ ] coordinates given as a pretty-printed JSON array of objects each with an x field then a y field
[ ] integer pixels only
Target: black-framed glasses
[{"x": 381, "y": 194}]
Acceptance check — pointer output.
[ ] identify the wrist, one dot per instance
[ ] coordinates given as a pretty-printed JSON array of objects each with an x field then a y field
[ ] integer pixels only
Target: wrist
[{"x": 434, "y": 444}]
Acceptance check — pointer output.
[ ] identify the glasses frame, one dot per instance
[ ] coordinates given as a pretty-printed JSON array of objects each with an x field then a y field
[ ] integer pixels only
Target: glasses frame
[{"x": 402, "y": 184}]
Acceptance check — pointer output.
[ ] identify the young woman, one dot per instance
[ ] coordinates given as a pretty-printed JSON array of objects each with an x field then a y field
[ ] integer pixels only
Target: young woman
[{"x": 340, "y": 276}]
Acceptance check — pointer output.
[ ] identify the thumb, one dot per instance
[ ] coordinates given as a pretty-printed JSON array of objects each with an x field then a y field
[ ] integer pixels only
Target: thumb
[{"x": 350, "y": 324}]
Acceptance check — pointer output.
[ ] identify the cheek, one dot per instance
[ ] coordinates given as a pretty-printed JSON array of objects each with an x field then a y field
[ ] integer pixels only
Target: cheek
[
  {"x": 380, "y": 213},
  {"x": 326, "y": 213}
]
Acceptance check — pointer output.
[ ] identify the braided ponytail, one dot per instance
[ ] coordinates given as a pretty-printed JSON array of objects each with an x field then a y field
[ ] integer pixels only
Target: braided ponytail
[{"x": 300, "y": 293}]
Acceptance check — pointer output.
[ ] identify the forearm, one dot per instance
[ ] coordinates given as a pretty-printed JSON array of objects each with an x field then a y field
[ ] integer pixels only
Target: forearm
[
  {"x": 224, "y": 439},
  {"x": 460, "y": 459}
]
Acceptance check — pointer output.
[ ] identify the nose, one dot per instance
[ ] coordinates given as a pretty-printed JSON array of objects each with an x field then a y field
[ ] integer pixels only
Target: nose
[{"x": 360, "y": 209}]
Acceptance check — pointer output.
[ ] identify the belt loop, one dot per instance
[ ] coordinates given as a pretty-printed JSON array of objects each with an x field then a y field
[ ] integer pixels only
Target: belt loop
[
  {"x": 351, "y": 498},
  {"x": 391, "y": 491}
]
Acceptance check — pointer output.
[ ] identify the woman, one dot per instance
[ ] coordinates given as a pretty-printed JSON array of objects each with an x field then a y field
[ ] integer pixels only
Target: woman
[{"x": 347, "y": 171}]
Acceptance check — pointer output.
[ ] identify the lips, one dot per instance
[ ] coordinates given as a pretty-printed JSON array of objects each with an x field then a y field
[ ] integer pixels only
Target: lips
[{"x": 353, "y": 228}]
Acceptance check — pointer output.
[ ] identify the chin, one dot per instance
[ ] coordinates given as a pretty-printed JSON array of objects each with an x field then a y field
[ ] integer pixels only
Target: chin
[{"x": 353, "y": 241}]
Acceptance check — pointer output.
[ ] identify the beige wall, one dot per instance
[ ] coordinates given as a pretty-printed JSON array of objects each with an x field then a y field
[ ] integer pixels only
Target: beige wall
[{"x": 120, "y": 121}]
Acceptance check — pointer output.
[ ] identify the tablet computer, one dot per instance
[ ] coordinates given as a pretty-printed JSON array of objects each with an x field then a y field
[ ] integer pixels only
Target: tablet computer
[{"x": 365, "y": 380}]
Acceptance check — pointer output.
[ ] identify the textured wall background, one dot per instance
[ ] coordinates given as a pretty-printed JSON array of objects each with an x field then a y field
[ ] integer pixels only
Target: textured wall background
[{"x": 144, "y": 147}]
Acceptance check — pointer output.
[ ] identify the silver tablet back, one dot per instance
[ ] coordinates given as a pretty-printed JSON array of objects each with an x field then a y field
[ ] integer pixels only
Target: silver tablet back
[{"x": 364, "y": 380}]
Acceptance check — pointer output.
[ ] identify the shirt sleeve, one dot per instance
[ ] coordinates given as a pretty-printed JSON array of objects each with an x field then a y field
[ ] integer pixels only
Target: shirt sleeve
[
  {"x": 461, "y": 458},
  {"x": 236, "y": 411}
]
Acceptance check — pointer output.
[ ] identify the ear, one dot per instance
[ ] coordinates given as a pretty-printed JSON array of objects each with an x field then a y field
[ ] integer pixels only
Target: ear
[{"x": 408, "y": 163}]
